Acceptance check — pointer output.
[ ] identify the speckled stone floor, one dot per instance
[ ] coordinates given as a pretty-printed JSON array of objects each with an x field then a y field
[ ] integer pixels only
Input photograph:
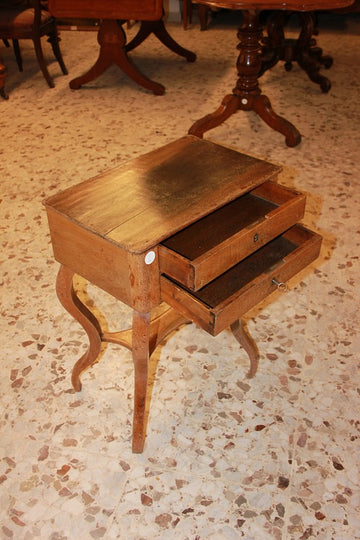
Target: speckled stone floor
[{"x": 275, "y": 457}]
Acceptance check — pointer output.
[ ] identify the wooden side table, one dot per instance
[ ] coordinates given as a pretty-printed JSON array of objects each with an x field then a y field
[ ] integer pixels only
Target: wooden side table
[
  {"x": 247, "y": 94},
  {"x": 193, "y": 231},
  {"x": 112, "y": 38}
]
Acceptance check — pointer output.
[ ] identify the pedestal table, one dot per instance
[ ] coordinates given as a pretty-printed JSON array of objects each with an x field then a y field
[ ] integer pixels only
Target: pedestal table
[
  {"x": 112, "y": 38},
  {"x": 247, "y": 94}
]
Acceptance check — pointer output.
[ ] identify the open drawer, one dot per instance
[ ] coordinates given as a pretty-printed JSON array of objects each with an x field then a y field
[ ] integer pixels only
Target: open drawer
[
  {"x": 227, "y": 298},
  {"x": 202, "y": 251}
]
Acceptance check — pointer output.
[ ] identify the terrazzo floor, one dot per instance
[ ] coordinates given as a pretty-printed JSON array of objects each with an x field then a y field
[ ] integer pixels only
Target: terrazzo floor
[{"x": 226, "y": 457}]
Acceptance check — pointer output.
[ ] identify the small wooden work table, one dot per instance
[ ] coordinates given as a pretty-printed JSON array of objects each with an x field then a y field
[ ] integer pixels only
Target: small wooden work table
[
  {"x": 246, "y": 95},
  {"x": 112, "y": 38},
  {"x": 193, "y": 231}
]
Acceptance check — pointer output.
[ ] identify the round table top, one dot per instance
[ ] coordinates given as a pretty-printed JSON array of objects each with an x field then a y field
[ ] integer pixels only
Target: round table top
[{"x": 289, "y": 5}]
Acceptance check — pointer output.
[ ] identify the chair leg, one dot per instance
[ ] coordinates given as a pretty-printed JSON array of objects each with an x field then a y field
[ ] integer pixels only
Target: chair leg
[
  {"x": 6, "y": 43},
  {"x": 187, "y": 13},
  {"x": 40, "y": 57},
  {"x": 17, "y": 54},
  {"x": 54, "y": 41}
]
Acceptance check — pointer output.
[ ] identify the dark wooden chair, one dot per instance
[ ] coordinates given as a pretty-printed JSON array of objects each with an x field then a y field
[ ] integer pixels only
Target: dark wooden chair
[
  {"x": 28, "y": 19},
  {"x": 187, "y": 14}
]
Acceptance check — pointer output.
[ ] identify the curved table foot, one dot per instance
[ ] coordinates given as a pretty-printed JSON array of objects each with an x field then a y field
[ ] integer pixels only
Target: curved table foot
[
  {"x": 158, "y": 29},
  {"x": 262, "y": 106},
  {"x": 247, "y": 94},
  {"x": 248, "y": 344},
  {"x": 229, "y": 106},
  {"x": 101, "y": 65},
  {"x": 112, "y": 40},
  {"x": 72, "y": 304}
]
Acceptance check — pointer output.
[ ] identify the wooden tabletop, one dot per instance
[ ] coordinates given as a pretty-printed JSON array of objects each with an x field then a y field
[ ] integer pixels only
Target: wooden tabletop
[
  {"x": 141, "y": 10},
  {"x": 290, "y": 5},
  {"x": 146, "y": 200}
]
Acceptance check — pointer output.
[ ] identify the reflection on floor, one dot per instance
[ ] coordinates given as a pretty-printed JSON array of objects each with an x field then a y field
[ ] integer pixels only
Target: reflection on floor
[{"x": 275, "y": 457}]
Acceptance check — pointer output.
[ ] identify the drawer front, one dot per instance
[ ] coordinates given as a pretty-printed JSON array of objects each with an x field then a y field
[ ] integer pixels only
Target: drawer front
[
  {"x": 203, "y": 251},
  {"x": 226, "y": 299}
]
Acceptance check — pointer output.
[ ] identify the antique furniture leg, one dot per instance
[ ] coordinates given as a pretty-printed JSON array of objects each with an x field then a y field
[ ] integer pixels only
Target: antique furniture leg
[
  {"x": 2, "y": 80},
  {"x": 71, "y": 302},
  {"x": 310, "y": 58},
  {"x": 140, "y": 353},
  {"x": 247, "y": 342},
  {"x": 142, "y": 339},
  {"x": 54, "y": 42},
  {"x": 159, "y": 30},
  {"x": 112, "y": 40},
  {"x": 203, "y": 12},
  {"x": 247, "y": 95},
  {"x": 302, "y": 50}
]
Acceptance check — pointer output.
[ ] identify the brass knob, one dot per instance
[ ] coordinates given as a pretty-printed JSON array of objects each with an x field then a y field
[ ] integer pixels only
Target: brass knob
[{"x": 281, "y": 286}]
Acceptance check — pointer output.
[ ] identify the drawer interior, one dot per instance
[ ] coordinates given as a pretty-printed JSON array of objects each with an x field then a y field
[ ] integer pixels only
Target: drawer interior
[
  {"x": 207, "y": 233},
  {"x": 225, "y": 299},
  {"x": 239, "y": 276},
  {"x": 206, "y": 249}
]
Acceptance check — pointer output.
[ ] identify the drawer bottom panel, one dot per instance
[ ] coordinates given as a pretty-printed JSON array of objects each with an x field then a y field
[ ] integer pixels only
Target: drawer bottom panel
[{"x": 227, "y": 298}]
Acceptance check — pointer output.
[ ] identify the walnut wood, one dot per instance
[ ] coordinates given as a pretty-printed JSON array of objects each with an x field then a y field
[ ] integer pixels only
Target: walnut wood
[
  {"x": 2, "y": 80},
  {"x": 158, "y": 29},
  {"x": 164, "y": 320},
  {"x": 144, "y": 201},
  {"x": 289, "y": 5},
  {"x": 141, "y": 10},
  {"x": 229, "y": 234},
  {"x": 112, "y": 38},
  {"x": 109, "y": 230},
  {"x": 302, "y": 50},
  {"x": 142, "y": 339},
  {"x": 71, "y": 302},
  {"x": 246, "y": 341},
  {"x": 232, "y": 294},
  {"x": 247, "y": 95}
]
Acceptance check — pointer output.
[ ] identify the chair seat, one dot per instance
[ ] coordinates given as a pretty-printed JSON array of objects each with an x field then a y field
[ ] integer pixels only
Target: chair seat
[
  {"x": 29, "y": 19},
  {"x": 19, "y": 20}
]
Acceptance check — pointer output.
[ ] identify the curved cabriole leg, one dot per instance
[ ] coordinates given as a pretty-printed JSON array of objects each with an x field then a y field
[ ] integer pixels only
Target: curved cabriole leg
[
  {"x": 140, "y": 353},
  {"x": 69, "y": 299},
  {"x": 248, "y": 344}
]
